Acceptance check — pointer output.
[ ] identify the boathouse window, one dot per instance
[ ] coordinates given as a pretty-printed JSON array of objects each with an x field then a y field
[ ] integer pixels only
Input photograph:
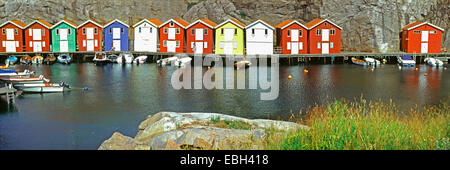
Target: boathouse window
[
  {"x": 318, "y": 45},
  {"x": 110, "y": 30},
  {"x": 57, "y": 31},
  {"x": 171, "y": 24},
  {"x": 164, "y": 43},
  {"x": 331, "y": 44},
  {"x": 235, "y": 31},
  {"x": 331, "y": 31},
  {"x": 289, "y": 46},
  {"x": 205, "y": 45},
  {"x": 300, "y": 33},
  {"x": 69, "y": 31},
  {"x": 288, "y": 33},
  {"x": 140, "y": 30},
  {"x": 192, "y": 31},
  {"x": 266, "y": 31},
  {"x": 416, "y": 32},
  {"x": 95, "y": 31},
  {"x": 84, "y": 31},
  {"x": 235, "y": 45},
  {"x": 318, "y": 31},
  {"x": 121, "y": 30},
  {"x": 151, "y": 29},
  {"x": 165, "y": 30},
  {"x": 178, "y": 30},
  {"x": 43, "y": 32},
  {"x": 31, "y": 43},
  {"x": 178, "y": 44},
  {"x": 3, "y": 31},
  {"x": 325, "y": 24},
  {"x": 15, "y": 31},
  {"x": 221, "y": 45},
  {"x": 221, "y": 31},
  {"x": 432, "y": 32},
  {"x": 206, "y": 31},
  {"x": 253, "y": 31}
]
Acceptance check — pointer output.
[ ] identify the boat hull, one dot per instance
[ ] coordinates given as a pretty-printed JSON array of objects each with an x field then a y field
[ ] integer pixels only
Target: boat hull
[{"x": 41, "y": 89}]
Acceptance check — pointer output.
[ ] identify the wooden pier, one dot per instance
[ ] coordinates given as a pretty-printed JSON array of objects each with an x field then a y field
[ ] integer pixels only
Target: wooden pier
[{"x": 153, "y": 56}]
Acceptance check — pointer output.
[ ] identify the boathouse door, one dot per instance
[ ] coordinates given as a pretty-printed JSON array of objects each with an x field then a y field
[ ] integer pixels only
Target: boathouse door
[
  {"x": 116, "y": 45},
  {"x": 294, "y": 47},
  {"x": 325, "y": 48},
  {"x": 424, "y": 36},
  {"x": 199, "y": 34},
  {"x": 89, "y": 45},
  {"x": 9, "y": 34},
  {"x": 424, "y": 48},
  {"x": 171, "y": 45},
  {"x": 228, "y": 47},
  {"x": 198, "y": 47},
  {"x": 325, "y": 35},
  {"x": 63, "y": 46},
  {"x": 10, "y": 46},
  {"x": 37, "y": 34},
  {"x": 37, "y": 46}
]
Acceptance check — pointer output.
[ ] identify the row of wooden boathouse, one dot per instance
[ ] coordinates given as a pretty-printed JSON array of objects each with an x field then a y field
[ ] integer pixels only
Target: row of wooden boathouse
[{"x": 320, "y": 36}]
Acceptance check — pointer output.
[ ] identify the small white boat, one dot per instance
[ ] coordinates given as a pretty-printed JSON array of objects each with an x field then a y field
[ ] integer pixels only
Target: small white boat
[
  {"x": 13, "y": 73},
  {"x": 165, "y": 61},
  {"x": 64, "y": 59},
  {"x": 125, "y": 57},
  {"x": 434, "y": 62},
  {"x": 43, "y": 87},
  {"x": 25, "y": 80},
  {"x": 359, "y": 62},
  {"x": 112, "y": 58},
  {"x": 372, "y": 61},
  {"x": 406, "y": 61},
  {"x": 140, "y": 60},
  {"x": 183, "y": 61},
  {"x": 100, "y": 58}
]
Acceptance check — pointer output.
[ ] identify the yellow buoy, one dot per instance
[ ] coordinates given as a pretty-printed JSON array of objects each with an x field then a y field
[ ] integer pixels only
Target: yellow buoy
[
  {"x": 289, "y": 77},
  {"x": 305, "y": 70},
  {"x": 209, "y": 67}
]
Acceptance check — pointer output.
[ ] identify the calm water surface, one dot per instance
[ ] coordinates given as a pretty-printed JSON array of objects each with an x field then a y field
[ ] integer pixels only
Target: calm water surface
[{"x": 120, "y": 97}]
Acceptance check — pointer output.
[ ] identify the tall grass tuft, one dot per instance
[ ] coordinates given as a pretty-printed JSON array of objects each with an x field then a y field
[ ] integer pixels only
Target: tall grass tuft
[{"x": 363, "y": 125}]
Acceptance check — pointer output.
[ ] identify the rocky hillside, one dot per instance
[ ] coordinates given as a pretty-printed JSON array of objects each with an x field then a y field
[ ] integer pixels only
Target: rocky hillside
[{"x": 369, "y": 25}]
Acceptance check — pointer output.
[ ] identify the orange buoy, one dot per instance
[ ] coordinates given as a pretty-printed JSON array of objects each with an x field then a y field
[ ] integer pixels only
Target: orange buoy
[{"x": 305, "y": 70}]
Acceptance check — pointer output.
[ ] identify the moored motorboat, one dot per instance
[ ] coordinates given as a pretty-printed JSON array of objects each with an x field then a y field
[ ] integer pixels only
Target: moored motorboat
[
  {"x": 372, "y": 61},
  {"x": 165, "y": 61},
  {"x": 243, "y": 63},
  {"x": 434, "y": 62},
  {"x": 43, "y": 87},
  {"x": 64, "y": 58},
  {"x": 100, "y": 58},
  {"x": 14, "y": 73},
  {"x": 406, "y": 61},
  {"x": 25, "y": 60},
  {"x": 50, "y": 59},
  {"x": 37, "y": 59},
  {"x": 112, "y": 58},
  {"x": 359, "y": 62},
  {"x": 183, "y": 61},
  {"x": 140, "y": 59},
  {"x": 11, "y": 60},
  {"x": 25, "y": 80},
  {"x": 128, "y": 58}
]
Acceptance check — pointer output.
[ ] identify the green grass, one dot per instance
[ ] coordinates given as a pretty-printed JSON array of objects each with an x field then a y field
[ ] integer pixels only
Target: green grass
[
  {"x": 233, "y": 124},
  {"x": 368, "y": 126}
]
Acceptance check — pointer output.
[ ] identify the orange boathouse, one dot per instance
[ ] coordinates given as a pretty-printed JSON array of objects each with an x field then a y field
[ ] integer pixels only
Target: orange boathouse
[
  {"x": 421, "y": 37},
  {"x": 324, "y": 37}
]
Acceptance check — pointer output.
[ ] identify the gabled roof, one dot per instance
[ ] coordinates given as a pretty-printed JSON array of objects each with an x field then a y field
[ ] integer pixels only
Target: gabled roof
[
  {"x": 91, "y": 21},
  {"x": 260, "y": 21},
  {"x": 288, "y": 22},
  {"x": 182, "y": 23},
  {"x": 153, "y": 21},
  {"x": 41, "y": 22},
  {"x": 418, "y": 24},
  {"x": 234, "y": 21},
  {"x": 116, "y": 20},
  {"x": 64, "y": 21},
  {"x": 206, "y": 22},
  {"x": 318, "y": 21},
  {"x": 17, "y": 23}
]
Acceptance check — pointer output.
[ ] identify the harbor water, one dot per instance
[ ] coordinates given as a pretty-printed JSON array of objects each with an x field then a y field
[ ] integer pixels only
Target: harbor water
[{"x": 119, "y": 97}]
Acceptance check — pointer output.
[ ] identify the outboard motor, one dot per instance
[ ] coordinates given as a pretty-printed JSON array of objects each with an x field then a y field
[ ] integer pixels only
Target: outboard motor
[{"x": 64, "y": 84}]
